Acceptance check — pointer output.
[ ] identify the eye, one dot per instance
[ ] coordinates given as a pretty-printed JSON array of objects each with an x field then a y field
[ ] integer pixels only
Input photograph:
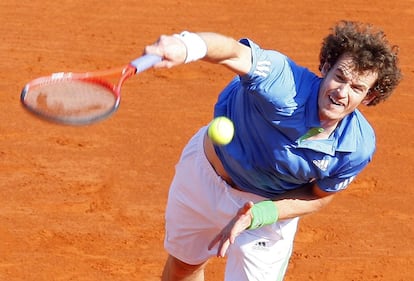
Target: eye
[
  {"x": 339, "y": 77},
  {"x": 358, "y": 89}
]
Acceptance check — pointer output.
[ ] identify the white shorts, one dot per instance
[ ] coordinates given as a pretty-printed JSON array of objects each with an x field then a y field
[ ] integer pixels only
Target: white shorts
[{"x": 201, "y": 203}]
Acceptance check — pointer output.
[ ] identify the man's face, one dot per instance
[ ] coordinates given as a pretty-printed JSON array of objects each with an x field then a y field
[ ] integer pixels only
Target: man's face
[{"x": 342, "y": 90}]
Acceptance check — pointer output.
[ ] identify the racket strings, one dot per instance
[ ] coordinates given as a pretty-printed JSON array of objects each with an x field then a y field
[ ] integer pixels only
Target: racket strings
[
  {"x": 81, "y": 98},
  {"x": 74, "y": 101}
]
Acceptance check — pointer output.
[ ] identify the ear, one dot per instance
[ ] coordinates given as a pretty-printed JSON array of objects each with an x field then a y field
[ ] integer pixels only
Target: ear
[
  {"x": 325, "y": 69},
  {"x": 369, "y": 98}
]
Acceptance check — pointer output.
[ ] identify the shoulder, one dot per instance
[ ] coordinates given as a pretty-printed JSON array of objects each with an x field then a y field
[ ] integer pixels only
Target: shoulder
[
  {"x": 265, "y": 57},
  {"x": 268, "y": 64},
  {"x": 354, "y": 151},
  {"x": 356, "y": 140},
  {"x": 365, "y": 132}
]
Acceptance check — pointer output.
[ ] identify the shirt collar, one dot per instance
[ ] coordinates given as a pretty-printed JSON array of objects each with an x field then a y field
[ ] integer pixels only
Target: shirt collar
[{"x": 341, "y": 140}]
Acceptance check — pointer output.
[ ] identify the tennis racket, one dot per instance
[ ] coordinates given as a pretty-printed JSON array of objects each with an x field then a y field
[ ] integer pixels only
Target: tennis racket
[{"x": 81, "y": 98}]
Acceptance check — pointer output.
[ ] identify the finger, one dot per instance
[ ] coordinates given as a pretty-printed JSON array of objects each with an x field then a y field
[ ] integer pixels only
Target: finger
[
  {"x": 247, "y": 206},
  {"x": 164, "y": 63},
  {"x": 221, "y": 253},
  {"x": 238, "y": 228},
  {"x": 232, "y": 238},
  {"x": 214, "y": 241},
  {"x": 154, "y": 50}
]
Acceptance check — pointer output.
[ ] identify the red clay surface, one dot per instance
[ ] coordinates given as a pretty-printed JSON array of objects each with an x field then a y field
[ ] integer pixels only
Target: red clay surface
[{"x": 87, "y": 203}]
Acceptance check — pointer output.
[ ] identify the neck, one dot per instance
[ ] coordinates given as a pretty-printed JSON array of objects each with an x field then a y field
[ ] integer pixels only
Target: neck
[{"x": 328, "y": 127}]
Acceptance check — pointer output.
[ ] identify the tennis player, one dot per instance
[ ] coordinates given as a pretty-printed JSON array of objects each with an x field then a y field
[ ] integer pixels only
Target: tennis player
[{"x": 299, "y": 140}]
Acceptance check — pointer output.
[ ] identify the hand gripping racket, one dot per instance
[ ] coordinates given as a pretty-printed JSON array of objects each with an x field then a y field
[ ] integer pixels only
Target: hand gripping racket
[{"x": 81, "y": 98}]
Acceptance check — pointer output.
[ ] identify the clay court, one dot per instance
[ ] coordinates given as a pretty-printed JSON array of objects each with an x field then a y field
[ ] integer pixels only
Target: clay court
[{"x": 87, "y": 203}]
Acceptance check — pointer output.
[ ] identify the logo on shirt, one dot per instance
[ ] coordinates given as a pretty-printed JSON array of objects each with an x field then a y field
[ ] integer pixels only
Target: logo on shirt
[
  {"x": 321, "y": 164},
  {"x": 345, "y": 183}
]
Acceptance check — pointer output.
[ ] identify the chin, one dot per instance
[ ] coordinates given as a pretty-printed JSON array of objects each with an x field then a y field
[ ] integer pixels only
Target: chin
[{"x": 331, "y": 114}]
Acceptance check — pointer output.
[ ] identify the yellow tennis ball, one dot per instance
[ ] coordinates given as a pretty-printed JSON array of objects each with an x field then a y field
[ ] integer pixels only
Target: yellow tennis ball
[{"x": 221, "y": 130}]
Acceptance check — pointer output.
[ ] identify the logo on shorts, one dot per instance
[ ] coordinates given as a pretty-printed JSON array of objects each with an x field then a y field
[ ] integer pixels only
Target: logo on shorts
[{"x": 261, "y": 246}]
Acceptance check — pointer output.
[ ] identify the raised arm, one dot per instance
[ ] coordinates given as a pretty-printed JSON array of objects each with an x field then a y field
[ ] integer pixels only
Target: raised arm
[
  {"x": 295, "y": 203},
  {"x": 208, "y": 46}
]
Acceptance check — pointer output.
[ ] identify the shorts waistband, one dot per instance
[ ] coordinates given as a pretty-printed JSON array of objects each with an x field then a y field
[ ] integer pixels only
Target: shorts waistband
[{"x": 211, "y": 156}]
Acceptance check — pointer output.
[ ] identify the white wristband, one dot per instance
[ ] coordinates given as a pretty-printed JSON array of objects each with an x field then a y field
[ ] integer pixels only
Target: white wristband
[{"x": 195, "y": 45}]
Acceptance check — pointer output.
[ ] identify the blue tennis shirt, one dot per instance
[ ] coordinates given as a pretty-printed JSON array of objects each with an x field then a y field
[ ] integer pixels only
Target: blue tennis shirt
[{"x": 272, "y": 107}]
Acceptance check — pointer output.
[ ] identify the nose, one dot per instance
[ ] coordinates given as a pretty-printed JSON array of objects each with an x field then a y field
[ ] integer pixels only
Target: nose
[{"x": 342, "y": 90}]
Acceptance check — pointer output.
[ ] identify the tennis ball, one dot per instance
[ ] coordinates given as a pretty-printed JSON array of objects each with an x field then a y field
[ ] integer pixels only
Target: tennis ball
[{"x": 221, "y": 130}]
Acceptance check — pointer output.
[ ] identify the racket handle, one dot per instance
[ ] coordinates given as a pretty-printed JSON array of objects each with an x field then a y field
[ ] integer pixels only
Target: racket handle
[{"x": 145, "y": 62}]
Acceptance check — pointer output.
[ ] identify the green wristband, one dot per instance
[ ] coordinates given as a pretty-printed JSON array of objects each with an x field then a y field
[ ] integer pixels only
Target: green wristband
[{"x": 264, "y": 213}]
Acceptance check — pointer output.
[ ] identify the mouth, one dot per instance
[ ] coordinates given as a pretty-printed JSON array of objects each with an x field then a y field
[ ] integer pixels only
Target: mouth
[{"x": 335, "y": 102}]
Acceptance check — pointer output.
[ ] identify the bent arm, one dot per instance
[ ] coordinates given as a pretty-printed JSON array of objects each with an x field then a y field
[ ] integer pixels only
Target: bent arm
[
  {"x": 221, "y": 50},
  {"x": 305, "y": 200},
  {"x": 299, "y": 202},
  {"x": 228, "y": 52}
]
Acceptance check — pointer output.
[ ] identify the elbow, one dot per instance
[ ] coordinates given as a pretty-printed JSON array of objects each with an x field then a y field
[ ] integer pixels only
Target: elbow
[
  {"x": 322, "y": 198},
  {"x": 321, "y": 203}
]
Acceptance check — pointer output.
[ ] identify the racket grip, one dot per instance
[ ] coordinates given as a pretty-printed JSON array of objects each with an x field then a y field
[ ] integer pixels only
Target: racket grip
[{"x": 145, "y": 62}]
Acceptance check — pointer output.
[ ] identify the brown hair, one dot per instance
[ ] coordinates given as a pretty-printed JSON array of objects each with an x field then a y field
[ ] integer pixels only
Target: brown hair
[{"x": 370, "y": 51}]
